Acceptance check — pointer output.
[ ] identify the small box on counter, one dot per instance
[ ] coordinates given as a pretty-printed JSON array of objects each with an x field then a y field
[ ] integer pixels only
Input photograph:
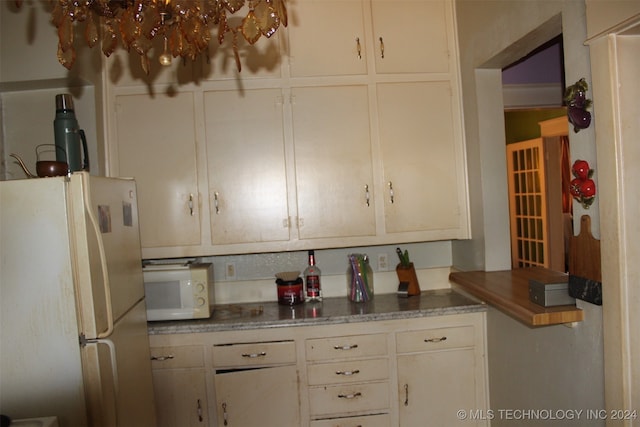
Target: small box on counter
[{"x": 550, "y": 294}]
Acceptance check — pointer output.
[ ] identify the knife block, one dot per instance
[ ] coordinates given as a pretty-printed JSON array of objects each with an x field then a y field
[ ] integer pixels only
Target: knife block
[{"x": 407, "y": 274}]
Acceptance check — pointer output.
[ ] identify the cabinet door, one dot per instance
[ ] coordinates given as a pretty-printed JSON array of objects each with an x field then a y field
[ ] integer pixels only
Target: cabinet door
[
  {"x": 181, "y": 397},
  {"x": 410, "y": 36},
  {"x": 326, "y": 38},
  {"x": 434, "y": 386},
  {"x": 334, "y": 178},
  {"x": 246, "y": 165},
  {"x": 420, "y": 162},
  {"x": 156, "y": 145},
  {"x": 266, "y": 397}
]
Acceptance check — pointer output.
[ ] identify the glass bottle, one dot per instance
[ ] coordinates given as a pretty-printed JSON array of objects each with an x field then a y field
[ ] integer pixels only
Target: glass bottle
[{"x": 313, "y": 290}]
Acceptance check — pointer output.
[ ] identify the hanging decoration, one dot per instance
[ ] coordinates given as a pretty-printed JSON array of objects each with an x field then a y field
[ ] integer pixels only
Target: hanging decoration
[
  {"x": 183, "y": 27},
  {"x": 575, "y": 96},
  {"x": 582, "y": 187}
]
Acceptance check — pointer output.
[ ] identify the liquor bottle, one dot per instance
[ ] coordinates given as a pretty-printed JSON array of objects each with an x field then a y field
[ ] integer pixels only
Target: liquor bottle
[{"x": 313, "y": 291}]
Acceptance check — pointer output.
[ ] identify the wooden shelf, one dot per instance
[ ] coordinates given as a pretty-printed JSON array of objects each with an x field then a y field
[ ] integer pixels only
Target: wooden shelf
[{"x": 508, "y": 291}]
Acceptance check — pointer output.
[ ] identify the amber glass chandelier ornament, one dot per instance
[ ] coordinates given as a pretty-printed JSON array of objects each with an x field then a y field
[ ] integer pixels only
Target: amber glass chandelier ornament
[{"x": 184, "y": 26}]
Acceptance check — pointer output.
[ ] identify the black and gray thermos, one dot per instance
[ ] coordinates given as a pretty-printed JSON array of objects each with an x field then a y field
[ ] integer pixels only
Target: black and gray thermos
[{"x": 68, "y": 136}]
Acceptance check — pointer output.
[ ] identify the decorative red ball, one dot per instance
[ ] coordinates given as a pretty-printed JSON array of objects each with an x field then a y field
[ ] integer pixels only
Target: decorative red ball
[
  {"x": 574, "y": 187},
  {"x": 588, "y": 188},
  {"x": 581, "y": 169}
]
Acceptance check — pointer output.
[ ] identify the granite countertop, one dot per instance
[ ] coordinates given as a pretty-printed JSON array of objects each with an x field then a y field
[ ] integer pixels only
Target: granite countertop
[{"x": 329, "y": 311}]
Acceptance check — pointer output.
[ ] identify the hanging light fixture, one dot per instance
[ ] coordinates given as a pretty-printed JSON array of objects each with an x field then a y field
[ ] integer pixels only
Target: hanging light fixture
[{"x": 184, "y": 26}]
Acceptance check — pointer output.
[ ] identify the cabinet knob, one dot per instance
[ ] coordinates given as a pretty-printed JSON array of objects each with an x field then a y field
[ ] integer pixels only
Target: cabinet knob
[
  {"x": 381, "y": 48},
  {"x": 358, "y": 48}
]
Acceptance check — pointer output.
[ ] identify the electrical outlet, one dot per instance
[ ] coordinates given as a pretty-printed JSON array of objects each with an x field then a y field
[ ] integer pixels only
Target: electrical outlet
[
  {"x": 383, "y": 262},
  {"x": 230, "y": 271}
]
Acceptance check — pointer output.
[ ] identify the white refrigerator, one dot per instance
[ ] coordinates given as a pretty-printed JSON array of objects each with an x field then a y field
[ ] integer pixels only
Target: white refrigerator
[{"x": 73, "y": 332}]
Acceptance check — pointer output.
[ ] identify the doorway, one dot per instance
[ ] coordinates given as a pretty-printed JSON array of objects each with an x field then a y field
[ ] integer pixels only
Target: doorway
[{"x": 537, "y": 151}]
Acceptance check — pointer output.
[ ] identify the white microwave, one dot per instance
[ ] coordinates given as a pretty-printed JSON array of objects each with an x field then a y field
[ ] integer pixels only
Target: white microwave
[{"x": 179, "y": 291}]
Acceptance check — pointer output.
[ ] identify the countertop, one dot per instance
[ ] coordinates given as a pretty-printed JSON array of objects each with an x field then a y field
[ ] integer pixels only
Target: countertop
[
  {"x": 329, "y": 311},
  {"x": 508, "y": 291}
]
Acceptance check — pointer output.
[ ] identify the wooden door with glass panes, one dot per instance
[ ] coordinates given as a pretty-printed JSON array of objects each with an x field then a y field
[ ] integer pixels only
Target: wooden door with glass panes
[
  {"x": 537, "y": 218},
  {"x": 528, "y": 204}
]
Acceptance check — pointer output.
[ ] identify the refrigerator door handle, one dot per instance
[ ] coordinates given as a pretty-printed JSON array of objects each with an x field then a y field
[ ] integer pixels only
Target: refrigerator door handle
[
  {"x": 114, "y": 372},
  {"x": 103, "y": 262}
]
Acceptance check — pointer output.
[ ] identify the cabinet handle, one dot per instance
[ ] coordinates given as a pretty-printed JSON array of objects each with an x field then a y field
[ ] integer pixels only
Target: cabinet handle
[
  {"x": 366, "y": 194},
  {"x": 215, "y": 202},
  {"x": 199, "y": 411},
  {"x": 162, "y": 358},
  {"x": 348, "y": 373},
  {"x": 435, "y": 339},
  {"x": 381, "y": 48},
  {"x": 224, "y": 413},
  {"x": 191, "y": 204},
  {"x": 254, "y": 355},
  {"x": 358, "y": 47},
  {"x": 350, "y": 396},
  {"x": 390, "y": 184},
  {"x": 345, "y": 347},
  {"x": 406, "y": 395}
]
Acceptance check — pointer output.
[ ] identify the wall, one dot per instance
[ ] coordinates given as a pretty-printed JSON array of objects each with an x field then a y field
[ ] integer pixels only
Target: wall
[{"x": 492, "y": 35}]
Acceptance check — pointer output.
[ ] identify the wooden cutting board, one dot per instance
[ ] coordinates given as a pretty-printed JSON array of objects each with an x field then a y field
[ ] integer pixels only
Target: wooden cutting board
[{"x": 585, "y": 275}]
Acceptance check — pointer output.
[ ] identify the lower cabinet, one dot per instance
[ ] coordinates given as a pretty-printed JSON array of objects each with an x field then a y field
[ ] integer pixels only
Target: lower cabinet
[
  {"x": 263, "y": 397},
  {"x": 180, "y": 386},
  {"x": 406, "y": 372},
  {"x": 256, "y": 384},
  {"x": 436, "y": 376}
]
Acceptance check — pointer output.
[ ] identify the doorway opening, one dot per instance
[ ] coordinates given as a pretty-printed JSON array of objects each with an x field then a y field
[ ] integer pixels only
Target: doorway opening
[{"x": 538, "y": 157}]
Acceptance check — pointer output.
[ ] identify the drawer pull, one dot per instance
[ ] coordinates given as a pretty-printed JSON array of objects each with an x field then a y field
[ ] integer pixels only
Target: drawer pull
[
  {"x": 254, "y": 355},
  {"x": 436, "y": 339},
  {"x": 224, "y": 413},
  {"x": 348, "y": 373},
  {"x": 406, "y": 395},
  {"x": 345, "y": 347},
  {"x": 350, "y": 396},
  {"x": 162, "y": 358},
  {"x": 199, "y": 411}
]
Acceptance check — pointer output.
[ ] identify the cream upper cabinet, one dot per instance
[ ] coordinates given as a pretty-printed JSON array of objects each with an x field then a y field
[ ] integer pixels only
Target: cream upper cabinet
[
  {"x": 327, "y": 37},
  {"x": 334, "y": 176},
  {"x": 155, "y": 143},
  {"x": 410, "y": 36},
  {"x": 422, "y": 169},
  {"x": 332, "y": 145},
  {"x": 246, "y": 166}
]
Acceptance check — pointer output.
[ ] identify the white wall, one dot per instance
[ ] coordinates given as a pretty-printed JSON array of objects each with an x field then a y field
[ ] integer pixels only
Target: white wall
[{"x": 542, "y": 368}]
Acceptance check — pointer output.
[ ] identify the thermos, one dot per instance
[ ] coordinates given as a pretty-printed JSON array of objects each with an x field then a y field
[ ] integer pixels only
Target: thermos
[{"x": 68, "y": 136}]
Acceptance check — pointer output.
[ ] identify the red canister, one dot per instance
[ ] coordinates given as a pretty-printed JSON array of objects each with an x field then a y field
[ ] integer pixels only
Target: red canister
[{"x": 290, "y": 292}]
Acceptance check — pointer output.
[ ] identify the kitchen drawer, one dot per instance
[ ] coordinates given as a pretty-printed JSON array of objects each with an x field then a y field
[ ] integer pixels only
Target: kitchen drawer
[
  {"x": 348, "y": 371},
  {"x": 188, "y": 356},
  {"x": 435, "y": 339},
  {"x": 349, "y": 398},
  {"x": 380, "y": 420},
  {"x": 347, "y": 347},
  {"x": 254, "y": 354}
]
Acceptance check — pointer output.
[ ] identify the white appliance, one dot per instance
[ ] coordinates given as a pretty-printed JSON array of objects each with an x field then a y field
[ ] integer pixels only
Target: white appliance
[
  {"x": 73, "y": 332},
  {"x": 179, "y": 291}
]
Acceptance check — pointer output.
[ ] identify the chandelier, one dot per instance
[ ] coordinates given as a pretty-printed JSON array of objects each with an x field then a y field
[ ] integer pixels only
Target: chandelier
[{"x": 183, "y": 26}]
